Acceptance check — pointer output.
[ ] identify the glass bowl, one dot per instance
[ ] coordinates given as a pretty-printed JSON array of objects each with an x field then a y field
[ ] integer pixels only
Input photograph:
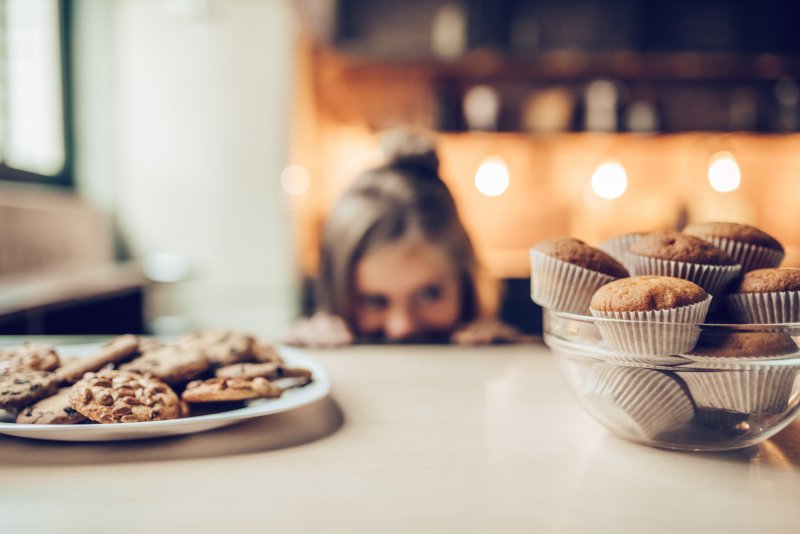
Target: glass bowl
[{"x": 699, "y": 387}]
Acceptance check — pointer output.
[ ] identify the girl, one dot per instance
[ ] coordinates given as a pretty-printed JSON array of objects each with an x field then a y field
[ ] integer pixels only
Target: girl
[{"x": 396, "y": 263}]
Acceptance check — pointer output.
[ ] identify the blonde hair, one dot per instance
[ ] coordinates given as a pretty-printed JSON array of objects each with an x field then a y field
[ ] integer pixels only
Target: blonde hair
[{"x": 384, "y": 204}]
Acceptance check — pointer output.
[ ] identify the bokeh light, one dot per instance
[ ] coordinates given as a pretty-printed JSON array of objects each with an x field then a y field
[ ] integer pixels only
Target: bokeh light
[
  {"x": 492, "y": 177},
  {"x": 609, "y": 180},
  {"x": 723, "y": 172},
  {"x": 295, "y": 180}
]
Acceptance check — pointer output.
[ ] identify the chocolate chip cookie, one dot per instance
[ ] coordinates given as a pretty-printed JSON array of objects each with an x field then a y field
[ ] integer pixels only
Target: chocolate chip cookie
[
  {"x": 28, "y": 357},
  {"x": 267, "y": 353},
  {"x": 114, "y": 351},
  {"x": 222, "y": 347},
  {"x": 54, "y": 410},
  {"x": 25, "y": 387},
  {"x": 174, "y": 364},
  {"x": 124, "y": 397},
  {"x": 230, "y": 389},
  {"x": 265, "y": 370}
]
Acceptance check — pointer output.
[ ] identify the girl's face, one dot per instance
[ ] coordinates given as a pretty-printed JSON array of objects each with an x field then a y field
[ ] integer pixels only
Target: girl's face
[{"x": 406, "y": 290}]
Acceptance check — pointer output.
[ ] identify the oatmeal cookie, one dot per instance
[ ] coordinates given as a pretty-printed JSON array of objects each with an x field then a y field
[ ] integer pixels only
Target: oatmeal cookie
[
  {"x": 265, "y": 370},
  {"x": 174, "y": 364},
  {"x": 230, "y": 389},
  {"x": 222, "y": 347},
  {"x": 124, "y": 397},
  {"x": 114, "y": 351}
]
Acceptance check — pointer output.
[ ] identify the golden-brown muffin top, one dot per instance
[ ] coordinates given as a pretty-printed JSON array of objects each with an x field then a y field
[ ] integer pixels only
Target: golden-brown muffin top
[
  {"x": 742, "y": 233},
  {"x": 579, "y": 253},
  {"x": 744, "y": 344},
  {"x": 770, "y": 280},
  {"x": 680, "y": 247},
  {"x": 647, "y": 293}
]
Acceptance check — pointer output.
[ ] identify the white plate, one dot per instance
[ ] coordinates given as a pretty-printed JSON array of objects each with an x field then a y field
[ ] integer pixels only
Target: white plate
[{"x": 290, "y": 400}]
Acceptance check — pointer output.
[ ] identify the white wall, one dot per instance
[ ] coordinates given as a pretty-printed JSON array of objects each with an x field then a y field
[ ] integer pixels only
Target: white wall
[{"x": 182, "y": 115}]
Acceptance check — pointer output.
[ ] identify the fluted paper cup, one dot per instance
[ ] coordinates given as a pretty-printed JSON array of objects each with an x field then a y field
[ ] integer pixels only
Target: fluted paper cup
[
  {"x": 653, "y": 332},
  {"x": 747, "y": 389},
  {"x": 562, "y": 286},
  {"x": 747, "y": 255},
  {"x": 643, "y": 401},
  {"x": 760, "y": 308},
  {"x": 617, "y": 247},
  {"x": 712, "y": 278}
]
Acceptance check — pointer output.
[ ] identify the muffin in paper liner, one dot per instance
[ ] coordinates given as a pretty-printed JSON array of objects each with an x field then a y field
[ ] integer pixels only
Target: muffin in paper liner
[
  {"x": 645, "y": 402},
  {"x": 562, "y": 286},
  {"x": 712, "y": 278},
  {"x": 741, "y": 387},
  {"x": 761, "y": 308},
  {"x": 653, "y": 332},
  {"x": 617, "y": 247},
  {"x": 747, "y": 255}
]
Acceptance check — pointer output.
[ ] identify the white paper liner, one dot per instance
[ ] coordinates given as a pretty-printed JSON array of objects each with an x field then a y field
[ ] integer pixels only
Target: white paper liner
[
  {"x": 562, "y": 286},
  {"x": 643, "y": 402},
  {"x": 654, "y": 332},
  {"x": 759, "y": 308},
  {"x": 617, "y": 247},
  {"x": 712, "y": 278},
  {"x": 749, "y": 389},
  {"x": 747, "y": 255}
]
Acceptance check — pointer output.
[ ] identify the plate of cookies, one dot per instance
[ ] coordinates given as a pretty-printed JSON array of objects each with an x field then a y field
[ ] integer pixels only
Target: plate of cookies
[{"x": 134, "y": 387}]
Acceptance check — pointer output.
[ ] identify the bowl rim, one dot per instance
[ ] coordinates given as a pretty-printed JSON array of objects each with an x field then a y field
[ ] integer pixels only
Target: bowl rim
[{"x": 747, "y": 327}]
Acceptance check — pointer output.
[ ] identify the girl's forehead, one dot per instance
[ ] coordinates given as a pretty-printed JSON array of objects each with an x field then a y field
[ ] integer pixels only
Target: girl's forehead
[{"x": 413, "y": 247}]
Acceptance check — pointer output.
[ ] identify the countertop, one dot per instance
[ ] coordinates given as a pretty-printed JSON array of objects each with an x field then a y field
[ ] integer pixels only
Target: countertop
[{"x": 412, "y": 439}]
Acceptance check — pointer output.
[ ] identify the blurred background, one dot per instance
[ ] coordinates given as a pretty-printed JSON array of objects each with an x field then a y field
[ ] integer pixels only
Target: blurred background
[{"x": 168, "y": 164}]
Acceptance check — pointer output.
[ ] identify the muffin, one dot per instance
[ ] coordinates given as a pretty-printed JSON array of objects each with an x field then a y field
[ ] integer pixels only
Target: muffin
[
  {"x": 684, "y": 256},
  {"x": 748, "y": 246},
  {"x": 655, "y": 315},
  {"x": 617, "y": 247},
  {"x": 767, "y": 296},
  {"x": 643, "y": 402},
  {"x": 727, "y": 377},
  {"x": 566, "y": 272}
]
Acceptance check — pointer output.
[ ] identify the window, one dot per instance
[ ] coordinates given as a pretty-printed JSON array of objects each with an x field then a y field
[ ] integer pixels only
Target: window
[{"x": 33, "y": 92}]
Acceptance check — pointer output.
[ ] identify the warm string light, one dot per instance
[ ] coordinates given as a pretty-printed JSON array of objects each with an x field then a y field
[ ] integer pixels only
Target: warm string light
[
  {"x": 492, "y": 177},
  {"x": 609, "y": 180},
  {"x": 723, "y": 172}
]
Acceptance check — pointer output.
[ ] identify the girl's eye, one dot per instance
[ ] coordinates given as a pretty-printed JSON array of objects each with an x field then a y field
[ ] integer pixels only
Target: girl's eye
[
  {"x": 429, "y": 294},
  {"x": 373, "y": 302}
]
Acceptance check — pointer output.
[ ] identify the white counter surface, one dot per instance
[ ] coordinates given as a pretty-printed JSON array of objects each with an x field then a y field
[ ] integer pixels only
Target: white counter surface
[{"x": 413, "y": 439}]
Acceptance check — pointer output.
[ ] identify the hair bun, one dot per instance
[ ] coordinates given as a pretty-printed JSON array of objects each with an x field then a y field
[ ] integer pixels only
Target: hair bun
[{"x": 410, "y": 149}]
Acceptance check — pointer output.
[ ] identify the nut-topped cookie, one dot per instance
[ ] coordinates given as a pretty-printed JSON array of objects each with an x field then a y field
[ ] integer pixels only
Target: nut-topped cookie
[
  {"x": 565, "y": 272},
  {"x": 21, "y": 388},
  {"x": 747, "y": 245},
  {"x": 174, "y": 364},
  {"x": 683, "y": 256},
  {"x": 55, "y": 410},
  {"x": 230, "y": 389},
  {"x": 124, "y": 397},
  {"x": 29, "y": 357}
]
